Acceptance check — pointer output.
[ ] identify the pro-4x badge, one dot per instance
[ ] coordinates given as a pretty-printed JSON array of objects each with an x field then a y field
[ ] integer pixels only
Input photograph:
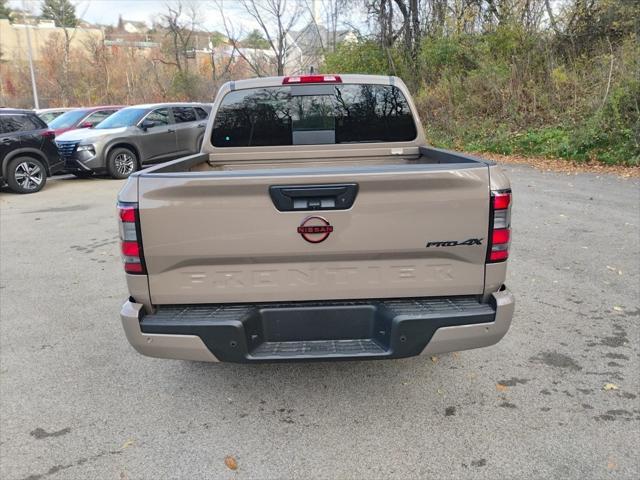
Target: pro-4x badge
[{"x": 455, "y": 243}]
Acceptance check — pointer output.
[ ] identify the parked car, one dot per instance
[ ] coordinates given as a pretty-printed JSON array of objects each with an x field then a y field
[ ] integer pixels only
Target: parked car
[
  {"x": 28, "y": 153},
  {"x": 50, "y": 114},
  {"x": 135, "y": 136},
  {"x": 82, "y": 118},
  {"x": 315, "y": 224}
]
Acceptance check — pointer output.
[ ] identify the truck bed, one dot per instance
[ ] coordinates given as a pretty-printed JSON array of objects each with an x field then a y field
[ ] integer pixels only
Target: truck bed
[
  {"x": 238, "y": 242},
  {"x": 206, "y": 163}
]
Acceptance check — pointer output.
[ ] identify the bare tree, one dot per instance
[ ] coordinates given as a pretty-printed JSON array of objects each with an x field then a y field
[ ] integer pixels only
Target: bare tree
[
  {"x": 222, "y": 62},
  {"x": 276, "y": 20},
  {"x": 411, "y": 31},
  {"x": 98, "y": 59},
  {"x": 335, "y": 11},
  {"x": 180, "y": 23},
  {"x": 382, "y": 13},
  {"x": 255, "y": 59},
  {"x": 69, "y": 29}
]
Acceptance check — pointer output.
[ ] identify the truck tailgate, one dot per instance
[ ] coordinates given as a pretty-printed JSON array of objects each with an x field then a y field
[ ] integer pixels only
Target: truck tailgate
[{"x": 219, "y": 238}]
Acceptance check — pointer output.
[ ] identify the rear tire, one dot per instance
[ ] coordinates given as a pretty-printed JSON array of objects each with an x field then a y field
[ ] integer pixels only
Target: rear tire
[
  {"x": 121, "y": 163},
  {"x": 26, "y": 175}
]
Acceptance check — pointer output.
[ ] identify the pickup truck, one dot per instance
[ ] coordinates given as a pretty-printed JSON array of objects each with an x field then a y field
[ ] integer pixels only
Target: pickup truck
[{"x": 315, "y": 224}]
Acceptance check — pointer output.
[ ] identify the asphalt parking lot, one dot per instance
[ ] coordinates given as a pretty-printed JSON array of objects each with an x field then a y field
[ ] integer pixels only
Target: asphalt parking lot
[{"x": 559, "y": 397}]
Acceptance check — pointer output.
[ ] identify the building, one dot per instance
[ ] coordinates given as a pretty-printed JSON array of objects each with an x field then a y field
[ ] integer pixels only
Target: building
[{"x": 15, "y": 43}]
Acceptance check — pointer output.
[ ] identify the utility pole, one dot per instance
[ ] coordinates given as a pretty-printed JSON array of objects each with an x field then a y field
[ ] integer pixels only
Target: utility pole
[{"x": 36, "y": 103}]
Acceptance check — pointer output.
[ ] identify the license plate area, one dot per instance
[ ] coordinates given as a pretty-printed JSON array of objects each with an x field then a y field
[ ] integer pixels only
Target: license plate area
[{"x": 318, "y": 323}]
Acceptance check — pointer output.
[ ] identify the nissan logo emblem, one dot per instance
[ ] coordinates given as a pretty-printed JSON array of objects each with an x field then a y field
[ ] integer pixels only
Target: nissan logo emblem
[{"x": 315, "y": 229}]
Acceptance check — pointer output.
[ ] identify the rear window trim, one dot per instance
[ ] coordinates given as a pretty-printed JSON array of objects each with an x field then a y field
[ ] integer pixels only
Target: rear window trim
[{"x": 284, "y": 147}]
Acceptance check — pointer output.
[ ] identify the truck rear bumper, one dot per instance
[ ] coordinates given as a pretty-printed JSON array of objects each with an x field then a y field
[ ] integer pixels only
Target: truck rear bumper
[{"x": 318, "y": 330}]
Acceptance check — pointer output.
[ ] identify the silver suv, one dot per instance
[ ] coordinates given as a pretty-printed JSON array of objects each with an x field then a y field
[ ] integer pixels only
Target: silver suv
[{"x": 133, "y": 137}]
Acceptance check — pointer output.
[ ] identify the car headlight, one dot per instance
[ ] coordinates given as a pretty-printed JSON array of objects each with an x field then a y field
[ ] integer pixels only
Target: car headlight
[{"x": 86, "y": 148}]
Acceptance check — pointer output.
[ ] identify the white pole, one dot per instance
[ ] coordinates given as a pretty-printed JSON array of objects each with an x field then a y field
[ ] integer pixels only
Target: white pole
[{"x": 36, "y": 103}]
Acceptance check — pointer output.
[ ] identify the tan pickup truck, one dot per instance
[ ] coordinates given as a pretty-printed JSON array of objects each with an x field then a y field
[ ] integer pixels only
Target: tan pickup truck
[{"x": 315, "y": 224}]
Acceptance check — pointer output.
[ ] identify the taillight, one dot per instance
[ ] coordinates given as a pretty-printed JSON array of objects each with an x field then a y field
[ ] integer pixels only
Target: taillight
[
  {"x": 130, "y": 241},
  {"x": 312, "y": 79},
  {"x": 500, "y": 234},
  {"x": 50, "y": 134}
]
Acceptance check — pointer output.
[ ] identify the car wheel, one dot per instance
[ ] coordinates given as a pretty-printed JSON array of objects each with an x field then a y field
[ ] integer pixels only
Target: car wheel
[
  {"x": 26, "y": 175},
  {"x": 121, "y": 163}
]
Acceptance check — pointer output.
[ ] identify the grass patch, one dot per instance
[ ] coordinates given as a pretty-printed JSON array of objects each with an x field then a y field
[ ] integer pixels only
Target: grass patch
[{"x": 576, "y": 144}]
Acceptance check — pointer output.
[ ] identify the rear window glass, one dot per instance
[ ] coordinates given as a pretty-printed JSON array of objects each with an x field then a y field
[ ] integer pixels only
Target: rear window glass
[
  {"x": 202, "y": 113},
  {"x": 19, "y": 123},
  {"x": 184, "y": 114},
  {"x": 313, "y": 115}
]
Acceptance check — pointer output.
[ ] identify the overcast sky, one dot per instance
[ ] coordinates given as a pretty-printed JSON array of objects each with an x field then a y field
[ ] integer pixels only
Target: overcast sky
[{"x": 107, "y": 11}]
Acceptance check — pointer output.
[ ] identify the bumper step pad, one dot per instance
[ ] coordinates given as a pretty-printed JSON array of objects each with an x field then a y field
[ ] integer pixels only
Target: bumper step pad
[
  {"x": 317, "y": 347},
  {"x": 318, "y": 330}
]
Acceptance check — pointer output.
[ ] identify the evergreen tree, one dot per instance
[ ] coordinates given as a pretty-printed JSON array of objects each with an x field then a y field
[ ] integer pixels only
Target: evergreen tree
[
  {"x": 5, "y": 11},
  {"x": 255, "y": 39},
  {"x": 62, "y": 12}
]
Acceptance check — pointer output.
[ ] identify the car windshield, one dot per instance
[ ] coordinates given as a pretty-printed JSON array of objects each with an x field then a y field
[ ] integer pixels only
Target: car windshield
[
  {"x": 123, "y": 118},
  {"x": 69, "y": 119}
]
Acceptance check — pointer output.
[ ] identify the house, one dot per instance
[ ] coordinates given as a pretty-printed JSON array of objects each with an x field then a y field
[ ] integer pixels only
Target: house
[{"x": 131, "y": 26}]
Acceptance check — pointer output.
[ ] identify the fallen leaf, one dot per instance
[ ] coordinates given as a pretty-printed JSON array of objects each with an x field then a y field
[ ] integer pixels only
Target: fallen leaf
[
  {"x": 434, "y": 359},
  {"x": 501, "y": 388},
  {"x": 557, "y": 165},
  {"x": 231, "y": 462},
  {"x": 456, "y": 354},
  {"x": 611, "y": 463},
  {"x": 610, "y": 386},
  {"x": 127, "y": 444}
]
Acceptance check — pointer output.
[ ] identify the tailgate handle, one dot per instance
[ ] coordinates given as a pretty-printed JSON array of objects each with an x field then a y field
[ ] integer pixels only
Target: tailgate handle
[{"x": 294, "y": 198}]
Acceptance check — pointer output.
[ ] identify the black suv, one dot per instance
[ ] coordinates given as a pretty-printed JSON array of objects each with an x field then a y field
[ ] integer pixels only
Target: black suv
[{"x": 28, "y": 153}]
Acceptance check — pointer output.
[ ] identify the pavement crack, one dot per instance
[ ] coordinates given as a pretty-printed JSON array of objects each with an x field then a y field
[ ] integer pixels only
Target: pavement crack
[{"x": 40, "y": 433}]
